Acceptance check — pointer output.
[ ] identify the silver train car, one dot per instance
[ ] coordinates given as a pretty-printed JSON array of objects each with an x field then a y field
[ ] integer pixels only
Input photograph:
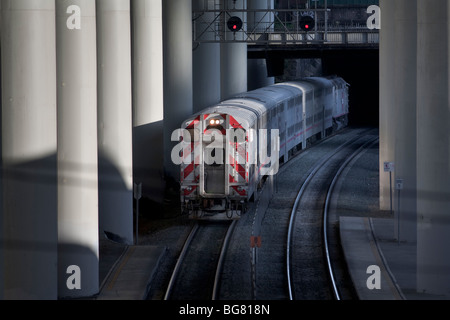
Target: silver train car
[{"x": 227, "y": 150}]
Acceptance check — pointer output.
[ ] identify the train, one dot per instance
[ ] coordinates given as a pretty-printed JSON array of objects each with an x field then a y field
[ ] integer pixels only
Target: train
[{"x": 226, "y": 151}]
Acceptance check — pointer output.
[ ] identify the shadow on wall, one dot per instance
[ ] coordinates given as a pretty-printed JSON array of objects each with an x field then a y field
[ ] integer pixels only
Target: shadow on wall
[
  {"x": 29, "y": 234},
  {"x": 115, "y": 203},
  {"x": 29, "y": 249},
  {"x": 148, "y": 164}
]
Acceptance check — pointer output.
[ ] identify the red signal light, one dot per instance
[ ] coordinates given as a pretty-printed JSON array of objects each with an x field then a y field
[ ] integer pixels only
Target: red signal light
[
  {"x": 234, "y": 24},
  {"x": 307, "y": 23}
]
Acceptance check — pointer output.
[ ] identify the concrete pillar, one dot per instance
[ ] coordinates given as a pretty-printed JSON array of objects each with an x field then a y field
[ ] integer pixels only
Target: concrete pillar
[
  {"x": 257, "y": 74},
  {"x": 206, "y": 60},
  {"x": 77, "y": 148},
  {"x": 177, "y": 31},
  {"x": 233, "y": 56},
  {"x": 148, "y": 105},
  {"x": 2, "y": 256},
  {"x": 28, "y": 65},
  {"x": 387, "y": 97},
  {"x": 405, "y": 83},
  {"x": 114, "y": 119},
  {"x": 433, "y": 148},
  {"x": 257, "y": 68}
]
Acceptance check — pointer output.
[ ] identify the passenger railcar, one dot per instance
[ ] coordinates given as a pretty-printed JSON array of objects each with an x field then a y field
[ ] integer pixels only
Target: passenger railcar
[{"x": 227, "y": 149}]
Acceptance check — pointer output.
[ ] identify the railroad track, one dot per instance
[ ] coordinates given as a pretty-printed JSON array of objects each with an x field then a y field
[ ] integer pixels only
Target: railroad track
[
  {"x": 311, "y": 273},
  {"x": 291, "y": 263},
  {"x": 196, "y": 275}
]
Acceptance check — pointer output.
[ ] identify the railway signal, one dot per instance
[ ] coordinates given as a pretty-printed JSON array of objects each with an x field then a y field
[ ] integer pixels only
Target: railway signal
[
  {"x": 307, "y": 23},
  {"x": 234, "y": 24}
]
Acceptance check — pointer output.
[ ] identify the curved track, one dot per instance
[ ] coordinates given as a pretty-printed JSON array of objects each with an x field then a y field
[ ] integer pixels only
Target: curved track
[{"x": 310, "y": 274}]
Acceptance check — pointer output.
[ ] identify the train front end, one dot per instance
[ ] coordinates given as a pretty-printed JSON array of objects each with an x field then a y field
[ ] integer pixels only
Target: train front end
[{"x": 214, "y": 172}]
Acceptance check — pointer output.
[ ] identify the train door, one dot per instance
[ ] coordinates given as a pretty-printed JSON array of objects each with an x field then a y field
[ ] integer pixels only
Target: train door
[{"x": 214, "y": 156}]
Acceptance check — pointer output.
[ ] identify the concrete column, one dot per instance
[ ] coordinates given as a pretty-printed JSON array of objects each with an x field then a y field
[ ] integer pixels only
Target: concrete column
[
  {"x": 387, "y": 97},
  {"x": 257, "y": 74},
  {"x": 77, "y": 148},
  {"x": 2, "y": 239},
  {"x": 233, "y": 56},
  {"x": 405, "y": 83},
  {"x": 257, "y": 68},
  {"x": 114, "y": 119},
  {"x": 28, "y": 66},
  {"x": 177, "y": 31},
  {"x": 433, "y": 148},
  {"x": 148, "y": 105},
  {"x": 206, "y": 60}
]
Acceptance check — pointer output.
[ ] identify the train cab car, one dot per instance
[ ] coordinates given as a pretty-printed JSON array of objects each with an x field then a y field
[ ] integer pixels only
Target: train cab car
[{"x": 215, "y": 173}]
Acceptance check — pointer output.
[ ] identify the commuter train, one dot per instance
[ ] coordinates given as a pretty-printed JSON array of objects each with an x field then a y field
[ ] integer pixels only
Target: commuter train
[{"x": 226, "y": 151}]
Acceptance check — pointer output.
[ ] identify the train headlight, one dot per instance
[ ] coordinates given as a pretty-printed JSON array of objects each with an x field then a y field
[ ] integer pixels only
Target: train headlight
[{"x": 215, "y": 122}]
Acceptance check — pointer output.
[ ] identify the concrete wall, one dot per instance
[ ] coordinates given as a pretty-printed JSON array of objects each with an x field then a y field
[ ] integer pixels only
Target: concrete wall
[
  {"x": 77, "y": 146},
  {"x": 433, "y": 147},
  {"x": 178, "y": 90},
  {"x": 233, "y": 58},
  {"x": 29, "y": 142},
  {"x": 206, "y": 61},
  {"x": 114, "y": 119},
  {"x": 387, "y": 98},
  {"x": 148, "y": 97}
]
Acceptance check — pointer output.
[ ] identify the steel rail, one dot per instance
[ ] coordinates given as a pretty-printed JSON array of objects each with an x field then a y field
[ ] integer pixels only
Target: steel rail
[
  {"x": 226, "y": 242},
  {"x": 327, "y": 209},
  {"x": 310, "y": 176},
  {"x": 180, "y": 261}
]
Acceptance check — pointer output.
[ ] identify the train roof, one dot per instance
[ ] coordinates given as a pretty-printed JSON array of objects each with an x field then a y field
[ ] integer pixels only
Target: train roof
[
  {"x": 269, "y": 95},
  {"x": 320, "y": 82},
  {"x": 248, "y": 106},
  {"x": 338, "y": 81},
  {"x": 304, "y": 86}
]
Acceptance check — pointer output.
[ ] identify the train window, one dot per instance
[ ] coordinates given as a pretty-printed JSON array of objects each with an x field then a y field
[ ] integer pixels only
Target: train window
[
  {"x": 212, "y": 158},
  {"x": 193, "y": 135}
]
